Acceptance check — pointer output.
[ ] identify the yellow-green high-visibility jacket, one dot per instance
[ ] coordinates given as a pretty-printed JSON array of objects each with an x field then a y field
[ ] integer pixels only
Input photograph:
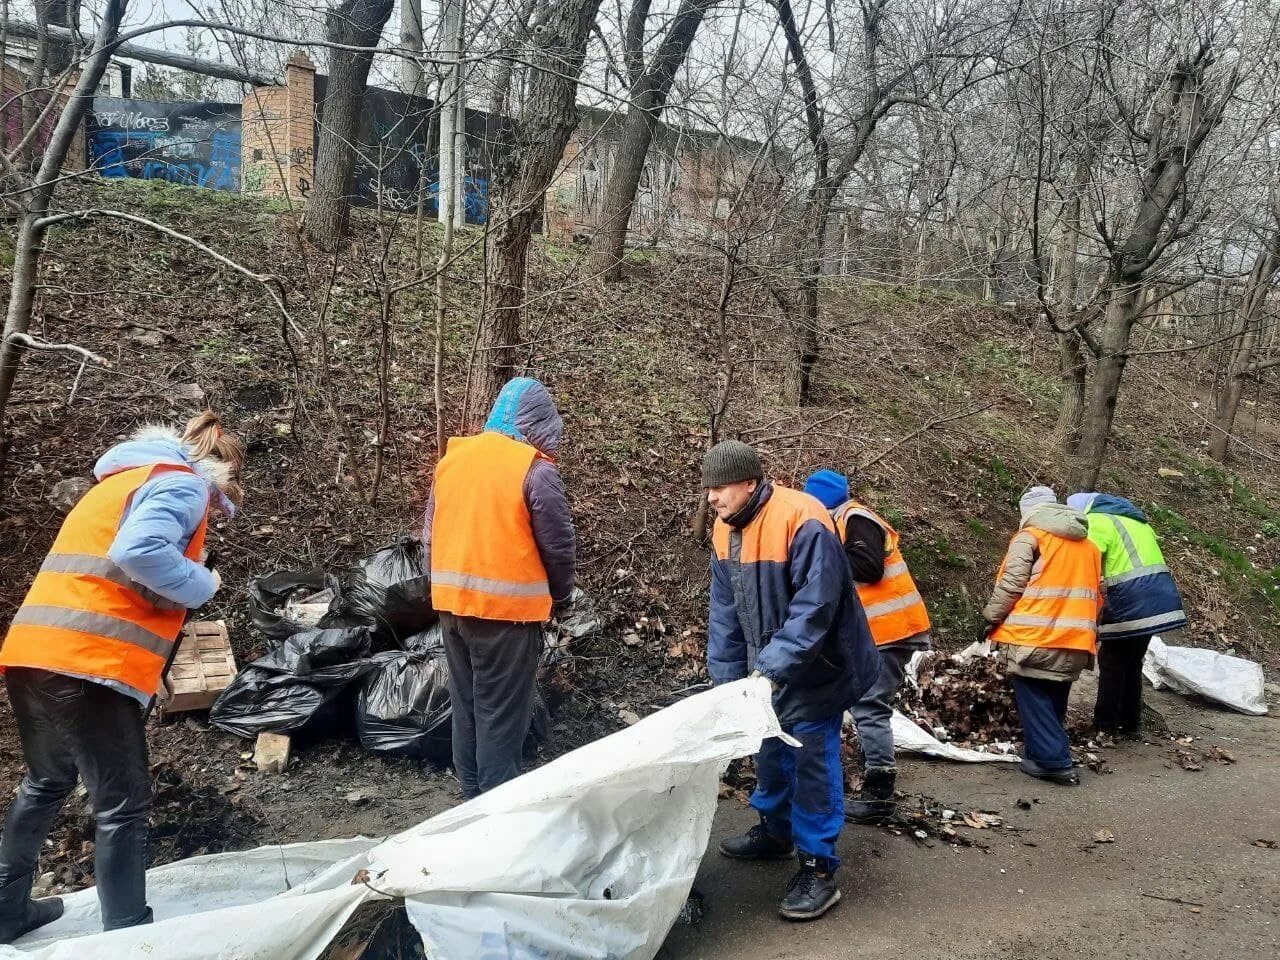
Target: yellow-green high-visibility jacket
[{"x": 1141, "y": 597}]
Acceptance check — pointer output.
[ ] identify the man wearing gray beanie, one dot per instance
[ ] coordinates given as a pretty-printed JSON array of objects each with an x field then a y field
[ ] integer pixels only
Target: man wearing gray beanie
[
  {"x": 783, "y": 607},
  {"x": 1044, "y": 616}
]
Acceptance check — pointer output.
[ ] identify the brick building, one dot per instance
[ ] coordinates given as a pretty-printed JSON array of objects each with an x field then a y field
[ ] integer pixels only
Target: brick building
[
  {"x": 688, "y": 185},
  {"x": 277, "y": 134}
]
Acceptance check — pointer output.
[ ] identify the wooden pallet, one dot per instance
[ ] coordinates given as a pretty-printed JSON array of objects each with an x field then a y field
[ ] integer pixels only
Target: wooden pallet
[{"x": 203, "y": 668}]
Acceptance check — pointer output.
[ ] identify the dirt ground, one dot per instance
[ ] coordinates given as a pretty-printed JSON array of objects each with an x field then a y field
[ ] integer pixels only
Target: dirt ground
[{"x": 1045, "y": 891}]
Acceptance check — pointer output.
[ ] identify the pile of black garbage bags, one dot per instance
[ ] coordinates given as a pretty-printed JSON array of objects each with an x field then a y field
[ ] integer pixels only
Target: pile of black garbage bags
[{"x": 362, "y": 650}]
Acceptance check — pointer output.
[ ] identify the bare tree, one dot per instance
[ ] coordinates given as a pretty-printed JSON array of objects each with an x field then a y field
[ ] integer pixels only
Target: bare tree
[
  {"x": 650, "y": 87},
  {"x": 34, "y": 195},
  {"x": 1167, "y": 123},
  {"x": 353, "y": 23},
  {"x": 1244, "y": 362},
  {"x": 839, "y": 134},
  {"x": 553, "y": 55}
]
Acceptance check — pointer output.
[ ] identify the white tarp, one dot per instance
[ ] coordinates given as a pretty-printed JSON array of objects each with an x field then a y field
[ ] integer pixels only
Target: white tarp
[
  {"x": 910, "y": 737},
  {"x": 591, "y": 855},
  {"x": 1231, "y": 681}
]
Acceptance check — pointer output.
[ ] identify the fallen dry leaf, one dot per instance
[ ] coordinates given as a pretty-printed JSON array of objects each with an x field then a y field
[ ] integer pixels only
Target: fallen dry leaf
[
  {"x": 1268, "y": 844},
  {"x": 1104, "y": 836},
  {"x": 1188, "y": 760},
  {"x": 1221, "y": 754}
]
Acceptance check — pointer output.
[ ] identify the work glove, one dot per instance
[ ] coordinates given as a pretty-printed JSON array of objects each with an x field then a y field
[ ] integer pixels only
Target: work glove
[{"x": 773, "y": 683}]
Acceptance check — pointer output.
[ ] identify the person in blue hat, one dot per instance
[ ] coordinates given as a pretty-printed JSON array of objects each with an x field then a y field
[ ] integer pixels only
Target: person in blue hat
[{"x": 899, "y": 626}]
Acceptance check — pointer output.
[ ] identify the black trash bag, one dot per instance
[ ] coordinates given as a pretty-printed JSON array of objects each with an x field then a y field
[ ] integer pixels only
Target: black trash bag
[
  {"x": 403, "y": 708},
  {"x": 299, "y": 687},
  {"x": 269, "y": 595},
  {"x": 391, "y": 590}
]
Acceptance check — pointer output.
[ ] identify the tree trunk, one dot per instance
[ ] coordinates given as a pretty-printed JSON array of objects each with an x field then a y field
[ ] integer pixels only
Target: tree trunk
[
  {"x": 550, "y": 114},
  {"x": 1071, "y": 356},
  {"x": 355, "y": 23},
  {"x": 1073, "y": 373},
  {"x": 648, "y": 97},
  {"x": 1122, "y": 312},
  {"x": 1244, "y": 347},
  {"x": 807, "y": 344},
  {"x": 28, "y": 245}
]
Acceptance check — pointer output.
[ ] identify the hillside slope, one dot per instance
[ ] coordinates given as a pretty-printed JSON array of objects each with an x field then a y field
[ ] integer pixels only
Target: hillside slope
[{"x": 635, "y": 367}]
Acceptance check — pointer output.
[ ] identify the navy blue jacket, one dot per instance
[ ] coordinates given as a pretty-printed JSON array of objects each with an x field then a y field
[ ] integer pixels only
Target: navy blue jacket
[
  {"x": 1145, "y": 600},
  {"x": 783, "y": 603}
]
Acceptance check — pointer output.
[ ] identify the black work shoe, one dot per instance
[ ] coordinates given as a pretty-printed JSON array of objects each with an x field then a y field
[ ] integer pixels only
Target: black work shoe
[
  {"x": 757, "y": 844},
  {"x": 1063, "y": 776},
  {"x": 810, "y": 893},
  {"x": 38, "y": 913},
  {"x": 874, "y": 803}
]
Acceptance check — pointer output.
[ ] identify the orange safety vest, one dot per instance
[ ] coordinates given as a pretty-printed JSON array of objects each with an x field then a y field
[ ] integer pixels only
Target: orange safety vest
[
  {"x": 484, "y": 558},
  {"x": 1060, "y": 606},
  {"x": 893, "y": 605},
  {"x": 83, "y": 614}
]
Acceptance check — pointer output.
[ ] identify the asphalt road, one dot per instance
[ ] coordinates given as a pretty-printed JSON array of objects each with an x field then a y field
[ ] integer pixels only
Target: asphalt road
[{"x": 1044, "y": 891}]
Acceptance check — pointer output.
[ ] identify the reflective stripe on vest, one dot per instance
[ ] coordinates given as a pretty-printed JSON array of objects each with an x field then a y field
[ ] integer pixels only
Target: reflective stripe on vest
[
  {"x": 1135, "y": 558},
  {"x": 83, "y": 614},
  {"x": 1146, "y": 624},
  {"x": 893, "y": 605},
  {"x": 484, "y": 558},
  {"x": 1059, "y": 607},
  {"x": 105, "y": 569}
]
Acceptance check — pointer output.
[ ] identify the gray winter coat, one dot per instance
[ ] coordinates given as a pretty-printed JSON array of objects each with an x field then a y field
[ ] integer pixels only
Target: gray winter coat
[{"x": 1020, "y": 560}]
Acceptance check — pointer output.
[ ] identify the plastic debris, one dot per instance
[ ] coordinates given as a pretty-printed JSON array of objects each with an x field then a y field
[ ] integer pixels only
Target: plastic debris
[{"x": 1231, "y": 681}]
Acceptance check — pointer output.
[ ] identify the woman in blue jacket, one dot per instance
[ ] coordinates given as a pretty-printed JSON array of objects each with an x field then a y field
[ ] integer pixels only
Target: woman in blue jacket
[{"x": 81, "y": 659}]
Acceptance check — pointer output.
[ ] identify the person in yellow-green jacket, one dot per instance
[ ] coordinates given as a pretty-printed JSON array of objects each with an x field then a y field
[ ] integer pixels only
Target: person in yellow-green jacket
[{"x": 1142, "y": 600}]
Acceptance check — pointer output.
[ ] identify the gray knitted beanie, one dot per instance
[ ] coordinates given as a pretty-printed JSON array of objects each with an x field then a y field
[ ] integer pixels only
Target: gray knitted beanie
[{"x": 730, "y": 461}]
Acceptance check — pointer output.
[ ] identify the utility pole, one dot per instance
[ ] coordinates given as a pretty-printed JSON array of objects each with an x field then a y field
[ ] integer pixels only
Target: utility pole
[
  {"x": 453, "y": 113},
  {"x": 411, "y": 40}
]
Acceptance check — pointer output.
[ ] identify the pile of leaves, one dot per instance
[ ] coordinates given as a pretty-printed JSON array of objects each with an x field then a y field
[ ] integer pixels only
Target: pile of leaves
[
  {"x": 968, "y": 702},
  {"x": 186, "y": 821}
]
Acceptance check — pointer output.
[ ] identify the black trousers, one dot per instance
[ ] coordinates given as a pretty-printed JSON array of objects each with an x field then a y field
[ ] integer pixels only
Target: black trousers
[
  {"x": 68, "y": 727},
  {"x": 493, "y": 669},
  {"x": 1119, "y": 705}
]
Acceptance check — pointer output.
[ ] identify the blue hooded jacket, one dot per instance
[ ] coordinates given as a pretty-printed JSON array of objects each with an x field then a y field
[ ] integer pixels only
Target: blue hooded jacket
[
  {"x": 162, "y": 516},
  {"x": 526, "y": 411},
  {"x": 1136, "y": 605},
  {"x": 783, "y": 603}
]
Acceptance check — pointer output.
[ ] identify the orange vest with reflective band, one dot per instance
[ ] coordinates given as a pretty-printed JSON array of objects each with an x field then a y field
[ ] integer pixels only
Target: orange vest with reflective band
[
  {"x": 893, "y": 605},
  {"x": 767, "y": 539},
  {"x": 83, "y": 614},
  {"x": 1060, "y": 606},
  {"x": 484, "y": 558}
]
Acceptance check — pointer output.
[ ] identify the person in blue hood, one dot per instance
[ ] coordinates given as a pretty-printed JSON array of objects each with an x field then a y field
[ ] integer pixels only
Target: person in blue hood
[
  {"x": 86, "y": 653},
  {"x": 1142, "y": 600},
  {"x": 500, "y": 544}
]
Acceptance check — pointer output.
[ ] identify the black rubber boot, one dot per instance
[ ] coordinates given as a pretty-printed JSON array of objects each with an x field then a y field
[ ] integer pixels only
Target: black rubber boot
[
  {"x": 1063, "y": 776},
  {"x": 874, "y": 803},
  {"x": 757, "y": 844},
  {"x": 19, "y": 914},
  {"x": 811, "y": 892}
]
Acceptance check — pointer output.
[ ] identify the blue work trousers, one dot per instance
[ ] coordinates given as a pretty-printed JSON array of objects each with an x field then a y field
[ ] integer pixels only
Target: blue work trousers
[
  {"x": 1042, "y": 707},
  {"x": 800, "y": 790}
]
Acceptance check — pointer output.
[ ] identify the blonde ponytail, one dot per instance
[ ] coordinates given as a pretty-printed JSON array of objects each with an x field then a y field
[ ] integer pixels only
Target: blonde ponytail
[{"x": 205, "y": 439}]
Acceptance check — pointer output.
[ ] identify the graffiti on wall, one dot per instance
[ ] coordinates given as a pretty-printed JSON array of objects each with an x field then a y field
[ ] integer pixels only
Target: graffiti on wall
[
  {"x": 197, "y": 144},
  {"x": 397, "y": 154}
]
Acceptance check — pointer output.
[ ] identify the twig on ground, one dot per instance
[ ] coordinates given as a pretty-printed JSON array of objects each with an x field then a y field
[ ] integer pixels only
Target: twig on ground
[{"x": 31, "y": 343}]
